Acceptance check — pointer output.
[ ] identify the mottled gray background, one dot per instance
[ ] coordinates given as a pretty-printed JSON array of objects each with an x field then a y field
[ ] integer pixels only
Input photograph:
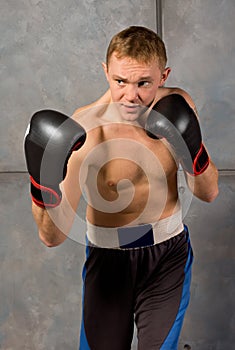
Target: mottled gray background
[{"x": 51, "y": 54}]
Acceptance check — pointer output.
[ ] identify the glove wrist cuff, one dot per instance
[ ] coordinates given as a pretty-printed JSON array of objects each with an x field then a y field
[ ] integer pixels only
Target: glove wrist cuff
[
  {"x": 201, "y": 161},
  {"x": 43, "y": 196}
]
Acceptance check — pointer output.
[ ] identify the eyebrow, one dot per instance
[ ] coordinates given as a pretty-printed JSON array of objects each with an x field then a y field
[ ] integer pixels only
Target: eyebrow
[{"x": 147, "y": 78}]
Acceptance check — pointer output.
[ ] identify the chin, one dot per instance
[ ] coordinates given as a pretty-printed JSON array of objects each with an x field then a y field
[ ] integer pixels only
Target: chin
[
  {"x": 130, "y": 117},
  {"x": 130, "y": 113}
]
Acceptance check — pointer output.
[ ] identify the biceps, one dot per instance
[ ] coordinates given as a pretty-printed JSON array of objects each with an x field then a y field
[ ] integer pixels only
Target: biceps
[{"x": 70, "y": 187}]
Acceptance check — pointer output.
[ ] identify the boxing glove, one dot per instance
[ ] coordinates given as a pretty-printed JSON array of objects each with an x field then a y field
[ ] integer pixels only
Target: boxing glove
[
  {"x": 173, "y": 119},
  {"x": 50, "y": 139}
]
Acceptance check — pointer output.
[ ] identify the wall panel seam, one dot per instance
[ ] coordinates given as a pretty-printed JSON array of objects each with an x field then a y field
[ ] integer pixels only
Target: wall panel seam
[{"x": 159, "y": 17}]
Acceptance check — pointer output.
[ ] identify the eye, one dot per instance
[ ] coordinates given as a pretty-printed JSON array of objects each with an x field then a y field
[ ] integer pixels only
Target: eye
[
  {"x": 120, "y": 82},
  {"x": 144, "y": 83}
]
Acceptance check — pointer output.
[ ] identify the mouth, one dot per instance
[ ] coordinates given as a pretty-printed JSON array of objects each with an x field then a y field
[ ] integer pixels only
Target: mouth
[
  {"x": 130, "y": 112},
  {"x": 131, "y": 108}
]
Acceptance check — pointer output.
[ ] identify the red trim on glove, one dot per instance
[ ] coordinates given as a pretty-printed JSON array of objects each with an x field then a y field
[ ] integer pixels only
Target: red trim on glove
[
  {"x": 77, "y": 146},
  {"x": 201, "y": 161},
  {"x": 54, "y": 197}
]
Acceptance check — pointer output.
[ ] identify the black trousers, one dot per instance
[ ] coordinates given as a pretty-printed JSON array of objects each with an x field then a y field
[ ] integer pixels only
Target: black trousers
[{"x": 149, "y": 286}]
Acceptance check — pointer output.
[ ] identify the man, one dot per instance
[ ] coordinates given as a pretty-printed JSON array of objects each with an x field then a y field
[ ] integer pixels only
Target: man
[{"x": 123, "y": 154}]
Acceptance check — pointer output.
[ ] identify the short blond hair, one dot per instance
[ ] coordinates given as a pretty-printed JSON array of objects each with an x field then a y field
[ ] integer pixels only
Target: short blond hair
[{"x": 139, "y": 43}]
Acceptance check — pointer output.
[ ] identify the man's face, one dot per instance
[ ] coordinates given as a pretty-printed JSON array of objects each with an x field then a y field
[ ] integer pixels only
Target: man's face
[{"x": 133, "y": 84}]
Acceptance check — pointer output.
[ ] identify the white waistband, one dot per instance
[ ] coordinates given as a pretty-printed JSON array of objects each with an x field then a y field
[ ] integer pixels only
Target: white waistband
[{"x": 144, "y": 235}]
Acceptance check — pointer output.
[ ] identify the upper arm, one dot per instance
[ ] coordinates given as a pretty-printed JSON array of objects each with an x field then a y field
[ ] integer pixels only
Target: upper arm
[{"x": 70, "y": 187}]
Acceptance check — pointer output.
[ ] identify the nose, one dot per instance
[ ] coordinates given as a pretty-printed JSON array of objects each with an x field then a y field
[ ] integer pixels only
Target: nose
[{"x": 131, "y": 93}]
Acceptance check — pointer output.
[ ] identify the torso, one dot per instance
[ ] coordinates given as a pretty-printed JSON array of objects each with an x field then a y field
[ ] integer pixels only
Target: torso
[{"x": 128, "y": 178}]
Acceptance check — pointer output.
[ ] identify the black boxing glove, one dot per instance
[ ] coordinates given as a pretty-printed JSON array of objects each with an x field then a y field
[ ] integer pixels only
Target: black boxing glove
[
  {"x": 173, "y": 119},
  {"x": 50, "y": 139}
]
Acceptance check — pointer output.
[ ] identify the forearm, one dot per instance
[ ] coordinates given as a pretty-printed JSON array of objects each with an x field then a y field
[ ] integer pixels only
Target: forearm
[
  {"x": 50, "y": 230},
  {"x": 205, "y": 185}
]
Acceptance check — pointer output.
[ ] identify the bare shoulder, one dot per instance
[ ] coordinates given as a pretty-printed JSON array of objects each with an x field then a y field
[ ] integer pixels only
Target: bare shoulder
[
  {"x": 103, "y": 100},
  {"x": 90, "y": 118}
]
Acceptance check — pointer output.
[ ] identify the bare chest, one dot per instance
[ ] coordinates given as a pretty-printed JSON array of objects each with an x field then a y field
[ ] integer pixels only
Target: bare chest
[
  {"x": 125, "y": 153},
  {"x": 125, "y": 169}
]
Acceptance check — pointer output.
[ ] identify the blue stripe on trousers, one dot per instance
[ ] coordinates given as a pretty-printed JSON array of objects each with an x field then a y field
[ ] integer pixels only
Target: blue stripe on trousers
[
  {"x": 171, "y": 341},
  {"x": 83, "y": 340}
]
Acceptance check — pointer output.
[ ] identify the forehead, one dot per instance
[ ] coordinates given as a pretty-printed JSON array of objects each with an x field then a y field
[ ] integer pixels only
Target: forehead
[{"x": 128, "y": 65}]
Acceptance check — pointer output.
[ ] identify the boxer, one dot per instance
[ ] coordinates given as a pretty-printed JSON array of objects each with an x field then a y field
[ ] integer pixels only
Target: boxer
[{"x": 138, "y": 256}]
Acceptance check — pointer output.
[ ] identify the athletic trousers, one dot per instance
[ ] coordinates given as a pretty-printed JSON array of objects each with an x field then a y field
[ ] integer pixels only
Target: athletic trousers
[{"x": 147, "y": 285}]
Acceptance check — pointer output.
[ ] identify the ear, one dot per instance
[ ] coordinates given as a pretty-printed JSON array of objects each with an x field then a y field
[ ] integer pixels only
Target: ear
[
  {"x": 164, "y": 76},
  {"x": 105, "y": 68}
]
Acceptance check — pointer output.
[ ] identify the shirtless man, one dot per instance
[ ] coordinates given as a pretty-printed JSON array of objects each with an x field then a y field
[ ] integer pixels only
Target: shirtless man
[{"x": 123, "y": 154}]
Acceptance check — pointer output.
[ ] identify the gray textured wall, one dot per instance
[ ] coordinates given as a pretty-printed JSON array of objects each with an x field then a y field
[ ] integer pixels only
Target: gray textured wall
[
  {"x": 51, "y": 53},
  {"x": 200, "y": 36}
]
